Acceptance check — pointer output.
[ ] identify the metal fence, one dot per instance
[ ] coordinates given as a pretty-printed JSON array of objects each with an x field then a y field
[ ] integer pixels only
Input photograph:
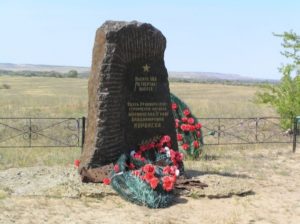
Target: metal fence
[
  {"x": 69, "y": 132},
  {"x": 41, "y": 132},
  {"x": 262, "y": 130}
]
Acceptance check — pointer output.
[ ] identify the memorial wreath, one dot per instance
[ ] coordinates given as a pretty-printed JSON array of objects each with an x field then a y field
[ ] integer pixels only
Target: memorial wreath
[{"x": 147, "y": 176}]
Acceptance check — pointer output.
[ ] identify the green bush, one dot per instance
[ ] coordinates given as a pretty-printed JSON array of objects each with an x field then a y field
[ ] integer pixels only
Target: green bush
[{"x": 285, "y": 97}]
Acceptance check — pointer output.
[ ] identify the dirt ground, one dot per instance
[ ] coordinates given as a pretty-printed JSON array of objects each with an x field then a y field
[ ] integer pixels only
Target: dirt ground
[{"x": 245, "y": 186}]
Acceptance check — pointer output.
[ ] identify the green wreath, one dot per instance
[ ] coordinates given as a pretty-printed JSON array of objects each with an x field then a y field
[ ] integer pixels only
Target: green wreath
[{"x": 189, "y": 133}]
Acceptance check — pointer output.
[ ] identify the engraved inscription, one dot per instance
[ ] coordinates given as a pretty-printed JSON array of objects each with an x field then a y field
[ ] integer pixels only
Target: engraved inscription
[
  {"x": 145, "y": 83},
  {"x": 147, "y": 114}
]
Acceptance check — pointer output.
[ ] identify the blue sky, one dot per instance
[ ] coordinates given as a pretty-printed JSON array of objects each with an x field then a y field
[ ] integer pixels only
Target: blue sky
[{"x": 205, "y": 35}]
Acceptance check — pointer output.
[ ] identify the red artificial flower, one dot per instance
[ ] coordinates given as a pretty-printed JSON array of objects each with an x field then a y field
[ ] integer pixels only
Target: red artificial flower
[
  {"x": 196, "y": 144},
  {"x": 173, "y": 159},
  {"x": 76, "y": 162},
  {"x": 154, "y": 182},
  {"x": 106, "y": 181},
  {"x": 174, "y": 106},
  {"x": 168, "y": 183},
  {"x": 191, "y": 127},
  {"x": 169, "y": 170},
  {"x": 149, "y": 168},
  {"x": 184, "y": 119},
  {"x": 175, "y": 156},
  {"x": 166, "y": 170},
  {"x": 162, "y": 150},
  {"x": 143, "y": 148},
  {"x": 185, "y": 146},
  {"x": 148, "y": 176},
  {"x": 116, "y": 168},
  {"x": 184, "y": 127},
  {"x": 179, "y": 137},
  {"x": 198, "y": 134},
  {"x": 188, "y": 127},
  {"x": 151, "y": 145},
  {"x": 131, "y": 166},
  {"x": 174, "y": 178},
  {"x": 198, "y": 126},
  {"x": 172, "y": 153},
  {"x": 191, "y": 120},
  {"x": 159, "y": 145},
  {"x": 169, "y": 144},
  {"x": 136, "y": 173},
  {"x": 186, "y": 112},
  {"x": 139, "y": 157},
  {"x": 165, "y": 139},
  {"x": 178, "y": 156}
]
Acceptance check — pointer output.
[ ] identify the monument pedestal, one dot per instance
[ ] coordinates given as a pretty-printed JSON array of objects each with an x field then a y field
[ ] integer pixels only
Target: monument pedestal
[{"x": 129, "y": 96}]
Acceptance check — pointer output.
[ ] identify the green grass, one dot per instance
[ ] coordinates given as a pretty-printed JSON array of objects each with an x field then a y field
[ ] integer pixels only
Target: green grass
[{"x": 56, "y": 97}]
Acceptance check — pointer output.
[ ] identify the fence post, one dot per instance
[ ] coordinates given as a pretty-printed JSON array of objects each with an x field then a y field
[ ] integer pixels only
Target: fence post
[
  {"x": 295, "y": 134},
  {"x": 256, "y": 128},
  {"x": 219, "y": 130},
  {"x": 29, "y": 134},
  {"x": 82, "y": 133}
]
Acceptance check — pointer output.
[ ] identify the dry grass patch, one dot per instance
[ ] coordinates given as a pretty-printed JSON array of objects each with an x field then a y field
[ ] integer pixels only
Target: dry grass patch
[{"x": 25, "y": 157}]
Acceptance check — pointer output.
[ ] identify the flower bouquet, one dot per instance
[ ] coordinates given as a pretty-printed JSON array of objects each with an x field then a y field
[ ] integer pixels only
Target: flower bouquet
[
  {"x": 189, "y": 133},
  {"x": 147, "y": 176}
]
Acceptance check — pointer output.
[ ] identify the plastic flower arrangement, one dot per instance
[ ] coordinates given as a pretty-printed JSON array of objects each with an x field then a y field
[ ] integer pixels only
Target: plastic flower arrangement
[
  {"x": 189, "y": 134},
  {"x": 147, "y": 176}
]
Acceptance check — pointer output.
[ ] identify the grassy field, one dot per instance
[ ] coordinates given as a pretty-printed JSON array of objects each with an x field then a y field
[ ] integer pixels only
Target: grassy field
[
  {"x": 67, "y": 97},
  {"x": 43, "y": 97},
  {"x": 270, "y": 171}
]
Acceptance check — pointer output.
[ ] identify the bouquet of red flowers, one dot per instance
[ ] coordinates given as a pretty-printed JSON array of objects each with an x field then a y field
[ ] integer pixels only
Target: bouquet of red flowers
[
  {"x": 189, "y": 133},
  {"x": 147, "y": 176}
]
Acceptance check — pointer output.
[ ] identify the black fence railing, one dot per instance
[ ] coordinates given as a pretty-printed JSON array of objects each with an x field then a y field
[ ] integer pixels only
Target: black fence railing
[
  {"x": 231, "y": 131},
  {"x": 41, "y": 132},
  {"x": 70, "y": 132}
]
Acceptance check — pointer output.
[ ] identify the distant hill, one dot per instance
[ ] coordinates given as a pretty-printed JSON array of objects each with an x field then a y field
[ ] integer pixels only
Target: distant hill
[
  {"x": 173, "y": 75},
  {"x": 212, "y": 77},
  {"x": 41, "y": 68},
  {"x": 208, "y": 75}
]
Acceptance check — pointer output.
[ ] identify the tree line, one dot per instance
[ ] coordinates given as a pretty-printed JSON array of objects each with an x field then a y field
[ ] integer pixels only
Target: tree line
[{"x": 69, "y": 74}]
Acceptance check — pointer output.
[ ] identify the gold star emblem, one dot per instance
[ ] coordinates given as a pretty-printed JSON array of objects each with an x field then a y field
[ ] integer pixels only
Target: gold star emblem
[{"x": 146, "y": 68}]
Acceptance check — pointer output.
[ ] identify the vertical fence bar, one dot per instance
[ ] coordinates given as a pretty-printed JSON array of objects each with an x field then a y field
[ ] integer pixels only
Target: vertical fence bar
[
  {"x": 256, "y": 128},
  {"x": 219, "y": 130},
  {"x": 78, "y": 131},
  {"x": 82, "y": 133},
  {"x": 29, "y": 132},
  {"x": 295, "y": 134}
]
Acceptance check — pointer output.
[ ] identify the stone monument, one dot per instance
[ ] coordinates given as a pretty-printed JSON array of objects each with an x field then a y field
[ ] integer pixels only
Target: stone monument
[{"x": 129, "y": 97}]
